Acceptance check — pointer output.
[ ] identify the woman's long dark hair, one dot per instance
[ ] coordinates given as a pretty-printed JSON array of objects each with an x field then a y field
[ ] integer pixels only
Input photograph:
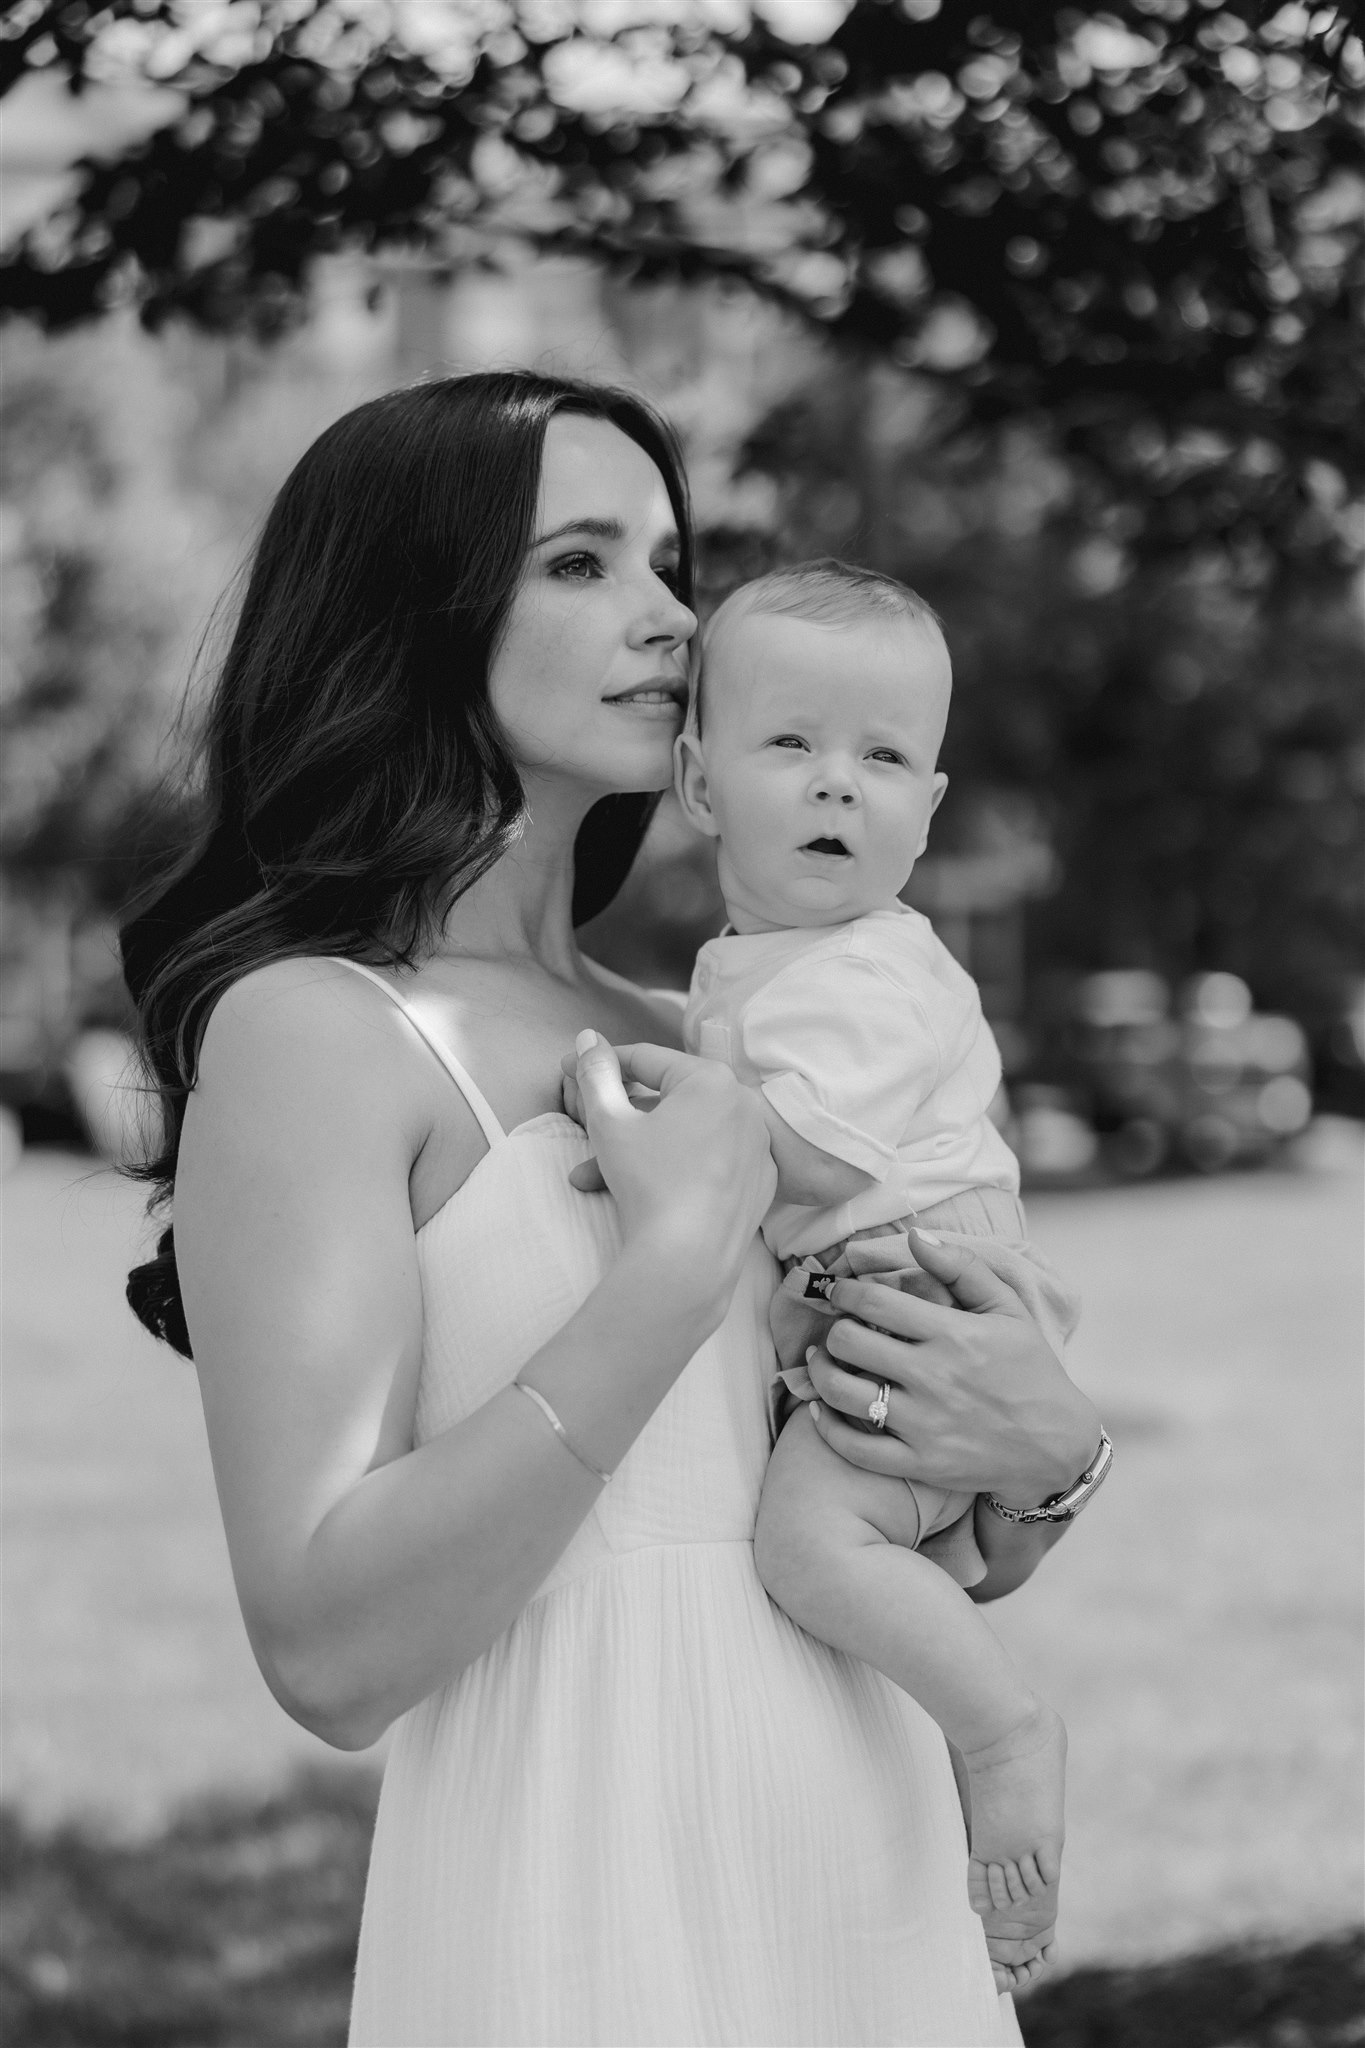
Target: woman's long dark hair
[{"x": 355, "y": 780}]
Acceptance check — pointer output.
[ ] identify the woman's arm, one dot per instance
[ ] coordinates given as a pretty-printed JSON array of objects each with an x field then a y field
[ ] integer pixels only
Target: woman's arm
[
  {"x": 369, "y": 1572},
  {"x": 980, "y": 1402}
]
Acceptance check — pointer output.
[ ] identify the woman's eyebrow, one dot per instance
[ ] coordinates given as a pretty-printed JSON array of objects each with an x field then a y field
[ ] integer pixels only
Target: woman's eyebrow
[{"x": 600, "y": 529}]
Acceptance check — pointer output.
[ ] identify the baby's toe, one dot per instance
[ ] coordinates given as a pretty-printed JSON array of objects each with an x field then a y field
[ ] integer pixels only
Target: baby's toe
[{"x": 1014, "y": 1950}]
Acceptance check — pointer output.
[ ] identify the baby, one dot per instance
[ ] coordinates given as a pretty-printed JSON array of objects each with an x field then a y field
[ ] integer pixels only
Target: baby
[{"x": 811, "y": 757}]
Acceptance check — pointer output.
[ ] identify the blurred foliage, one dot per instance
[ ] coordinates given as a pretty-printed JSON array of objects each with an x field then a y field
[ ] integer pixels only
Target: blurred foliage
[
  {"x": 1145, "y": 224},
  {"x": 236, "y": 1928},
  {"x": 1095, "y": 387},
  {"x": 1181, "y": 730},
  {"x": 132, "y": 473},
  {"x": 90, "y": 508}
]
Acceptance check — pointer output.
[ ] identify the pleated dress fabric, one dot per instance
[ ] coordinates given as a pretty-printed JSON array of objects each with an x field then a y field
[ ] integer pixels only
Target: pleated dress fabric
[{"x": 655, "y": 1811}]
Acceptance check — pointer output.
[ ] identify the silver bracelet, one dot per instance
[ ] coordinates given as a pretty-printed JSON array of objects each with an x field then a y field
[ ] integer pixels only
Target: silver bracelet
[
  {"x": 557, "y": 1426},
  {"x": 1064, "y": 1507}
]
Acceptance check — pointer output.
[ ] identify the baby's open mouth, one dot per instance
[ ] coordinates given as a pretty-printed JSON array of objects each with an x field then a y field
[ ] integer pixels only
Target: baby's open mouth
[{"x": 826, "y": 846}]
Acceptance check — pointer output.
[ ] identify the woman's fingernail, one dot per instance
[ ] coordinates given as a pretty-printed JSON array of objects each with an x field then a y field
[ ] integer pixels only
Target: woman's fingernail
[
  {"x": 928, "y": 1236},
  {"x": 584, "y": 1042},
  {"x": 815, "y": 1411}
]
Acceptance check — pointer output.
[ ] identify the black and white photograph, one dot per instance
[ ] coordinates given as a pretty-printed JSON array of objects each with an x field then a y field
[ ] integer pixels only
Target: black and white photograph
[{"x": 682, "y": 916}]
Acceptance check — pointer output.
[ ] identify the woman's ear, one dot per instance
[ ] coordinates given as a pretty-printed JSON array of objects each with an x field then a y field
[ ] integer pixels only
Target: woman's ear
[{"x": 689, "y": 780}]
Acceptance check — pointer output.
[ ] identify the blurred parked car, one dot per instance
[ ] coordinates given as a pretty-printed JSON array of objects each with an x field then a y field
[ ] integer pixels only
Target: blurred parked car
[
  {"x": 1205, "y": 1081},
  {"x": 1338, "y": 1042}
]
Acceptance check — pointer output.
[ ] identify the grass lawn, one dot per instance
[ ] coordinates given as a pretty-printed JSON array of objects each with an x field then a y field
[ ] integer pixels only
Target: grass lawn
[
  {"x": 128, "y": 1685},
  {"x": 1199, "y": 1631},
  {"x": 236, "y": 1929}
]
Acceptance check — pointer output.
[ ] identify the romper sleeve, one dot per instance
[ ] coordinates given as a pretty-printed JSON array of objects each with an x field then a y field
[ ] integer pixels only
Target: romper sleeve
[{"x": 845, "y": 1054}]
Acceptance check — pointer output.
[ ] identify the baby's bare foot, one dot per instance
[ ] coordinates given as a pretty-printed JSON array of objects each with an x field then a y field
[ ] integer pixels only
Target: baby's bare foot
[{"x": 1015, "y": 1787}]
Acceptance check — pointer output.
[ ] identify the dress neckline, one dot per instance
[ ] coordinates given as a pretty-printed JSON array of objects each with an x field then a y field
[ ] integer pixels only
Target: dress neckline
[
  {"x": 530, "y": 1123},
  {"x": 495, "y": 1137}
]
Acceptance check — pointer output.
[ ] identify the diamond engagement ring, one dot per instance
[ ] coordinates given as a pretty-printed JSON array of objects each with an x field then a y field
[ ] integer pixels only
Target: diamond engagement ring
[{"x": 879, "y": 1409}]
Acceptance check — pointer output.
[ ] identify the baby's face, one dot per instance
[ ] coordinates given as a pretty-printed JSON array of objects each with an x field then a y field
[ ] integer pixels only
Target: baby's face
[{"x": 817, "y": 769}]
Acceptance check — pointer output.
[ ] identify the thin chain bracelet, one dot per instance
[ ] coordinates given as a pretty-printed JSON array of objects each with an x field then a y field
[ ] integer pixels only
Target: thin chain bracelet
[{"x": 557, "y": 1426}]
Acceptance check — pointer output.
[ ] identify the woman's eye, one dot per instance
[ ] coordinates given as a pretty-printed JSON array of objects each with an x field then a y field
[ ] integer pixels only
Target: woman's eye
[
  {"x": 669, "y": 573},
  {"x": 576, "y": 568}
]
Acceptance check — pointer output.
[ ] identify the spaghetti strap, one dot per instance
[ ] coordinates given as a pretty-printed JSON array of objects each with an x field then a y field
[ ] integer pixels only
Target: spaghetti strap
[{"x": 463, "y": 1080}]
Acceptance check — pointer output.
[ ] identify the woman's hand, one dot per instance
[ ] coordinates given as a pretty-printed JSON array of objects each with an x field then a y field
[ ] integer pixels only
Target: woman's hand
[
  {"x": 979, "y": 1403},
  {"x": 693, "y": 1173}
]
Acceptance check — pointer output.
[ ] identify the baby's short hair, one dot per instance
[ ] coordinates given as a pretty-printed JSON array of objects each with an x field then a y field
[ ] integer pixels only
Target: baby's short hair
[{"x": 825, "y": 591}]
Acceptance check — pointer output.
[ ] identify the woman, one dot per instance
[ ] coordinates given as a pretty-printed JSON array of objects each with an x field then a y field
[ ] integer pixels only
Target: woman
[{"x": 627, "y": 1801}]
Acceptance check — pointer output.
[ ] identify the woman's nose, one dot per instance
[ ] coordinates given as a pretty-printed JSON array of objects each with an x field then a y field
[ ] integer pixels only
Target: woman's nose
[{"x": 667, "y": 622}]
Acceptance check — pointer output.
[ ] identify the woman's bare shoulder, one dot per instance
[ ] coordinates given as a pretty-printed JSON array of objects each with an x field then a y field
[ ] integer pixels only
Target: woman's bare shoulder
[
  {"x": 304, "y": 1080},
  {"x": 302, "y": 1015}
]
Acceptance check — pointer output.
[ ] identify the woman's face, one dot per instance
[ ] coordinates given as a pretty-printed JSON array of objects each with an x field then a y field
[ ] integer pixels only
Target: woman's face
[{"x": 589, "y": 679}]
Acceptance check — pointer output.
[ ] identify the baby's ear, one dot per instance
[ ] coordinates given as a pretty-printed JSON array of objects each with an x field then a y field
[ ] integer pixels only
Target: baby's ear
[
  {"x": 689, "y": 780},
  {"x": 940, "y": 784}
]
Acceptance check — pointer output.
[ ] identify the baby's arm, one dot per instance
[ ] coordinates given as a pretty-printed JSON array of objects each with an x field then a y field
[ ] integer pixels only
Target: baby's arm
[
  {"x": 843, "y": 1055},
  {"x": 806, "y": 1175}
]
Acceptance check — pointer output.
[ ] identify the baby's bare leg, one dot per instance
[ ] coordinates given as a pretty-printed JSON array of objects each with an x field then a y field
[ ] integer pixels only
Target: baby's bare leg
[{"x": 832, "y": 1548}]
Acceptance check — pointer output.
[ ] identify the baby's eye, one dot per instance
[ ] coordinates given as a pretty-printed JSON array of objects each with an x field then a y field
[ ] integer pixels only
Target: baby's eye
[
  {"x": 888, "y": 754},
  {"x": 577, "y": 568},
  {"x": 789, "y": 739}
]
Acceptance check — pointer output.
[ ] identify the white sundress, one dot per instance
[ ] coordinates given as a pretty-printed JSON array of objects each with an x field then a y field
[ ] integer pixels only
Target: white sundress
[{"x": 655, "y": 1811}]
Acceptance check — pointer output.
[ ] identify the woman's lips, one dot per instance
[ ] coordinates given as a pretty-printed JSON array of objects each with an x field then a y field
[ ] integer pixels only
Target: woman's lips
[{"x": 659, "y": 693}]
